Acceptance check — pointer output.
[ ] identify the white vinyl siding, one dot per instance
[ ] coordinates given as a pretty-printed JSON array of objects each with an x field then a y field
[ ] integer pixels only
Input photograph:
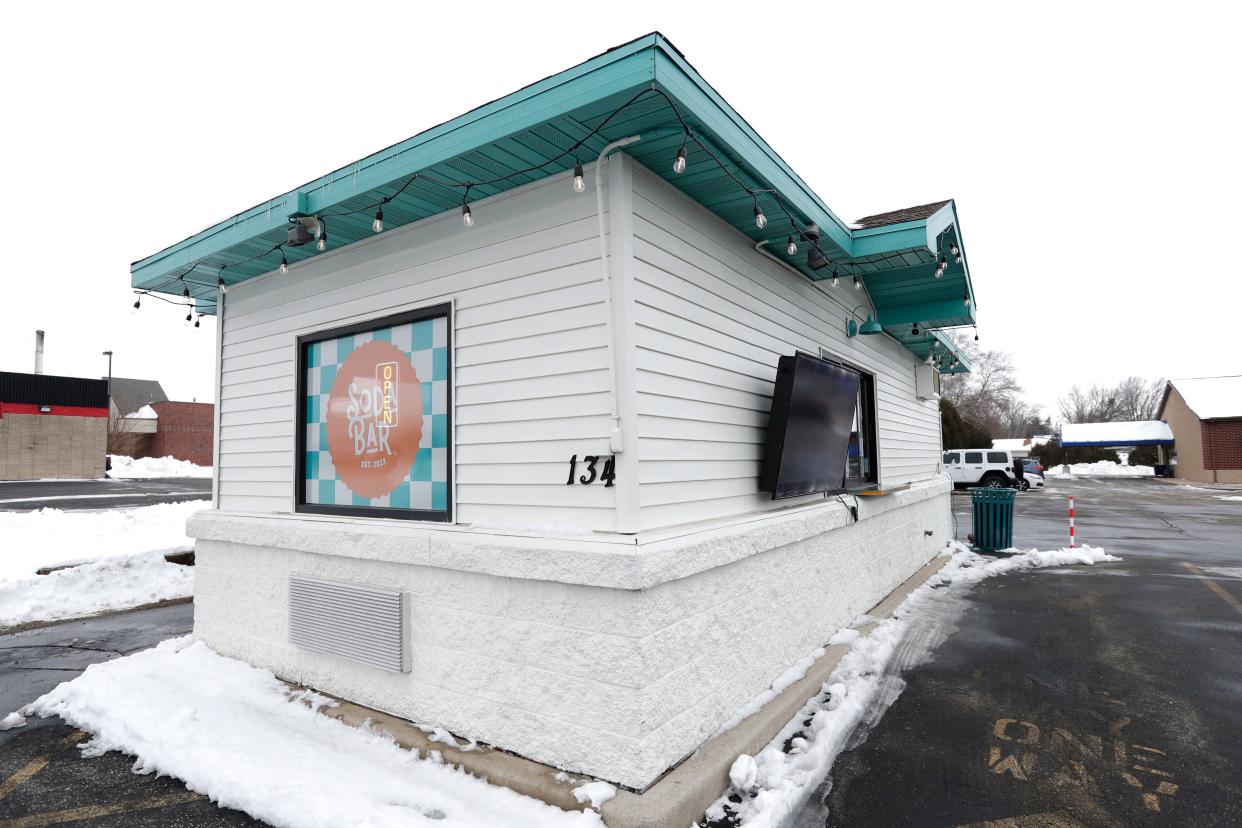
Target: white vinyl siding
[
  {"x": 530, "y": 359},
  {"x": 713, "y": 317}
]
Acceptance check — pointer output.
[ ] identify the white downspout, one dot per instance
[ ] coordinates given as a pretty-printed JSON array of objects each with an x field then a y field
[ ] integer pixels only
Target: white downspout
[{"x": 614, "y": 436}]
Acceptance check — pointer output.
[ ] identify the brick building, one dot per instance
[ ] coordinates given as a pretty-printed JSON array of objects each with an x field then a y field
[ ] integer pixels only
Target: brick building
[
  {"x": 183, "y": 430},
  {"x": 1205, "y": 414},
  {"x": 52, "y": 427}
]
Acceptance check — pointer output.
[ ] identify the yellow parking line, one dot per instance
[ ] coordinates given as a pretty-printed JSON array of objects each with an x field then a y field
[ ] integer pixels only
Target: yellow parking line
[
  {"x": 9, "y": 785},
  {"x": 1212, "y": 585},
  {"x": 95, "y": 811}
]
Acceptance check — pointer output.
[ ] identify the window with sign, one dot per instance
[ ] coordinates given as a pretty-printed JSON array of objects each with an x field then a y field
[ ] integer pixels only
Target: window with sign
[{"x": 373, "y": 418}]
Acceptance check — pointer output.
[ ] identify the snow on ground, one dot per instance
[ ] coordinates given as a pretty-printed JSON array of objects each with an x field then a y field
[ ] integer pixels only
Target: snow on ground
[
  {"x": 55, "y": 537},
  {"x": 1100, "y": 468},
  {"x": 110, "y": 584},
  {"x": 242, "y": 737},
  {"x": 1229, "y": 497},
  {"x": 127, "y": 467},
  {"x": 775, "y": 784}
]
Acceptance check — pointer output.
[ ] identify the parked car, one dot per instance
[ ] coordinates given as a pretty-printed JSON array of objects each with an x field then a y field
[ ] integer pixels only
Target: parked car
[
  {"x": 1032, "y": 464},
  {"x": 980, "y": 467}
]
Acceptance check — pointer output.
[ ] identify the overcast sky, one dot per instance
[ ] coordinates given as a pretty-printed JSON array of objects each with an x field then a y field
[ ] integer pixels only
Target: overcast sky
[{"x": 1094, "y": 149}]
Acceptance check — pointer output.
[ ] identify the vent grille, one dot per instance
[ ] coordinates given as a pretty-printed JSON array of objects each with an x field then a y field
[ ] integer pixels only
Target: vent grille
[{"x": 365, "y": 624}]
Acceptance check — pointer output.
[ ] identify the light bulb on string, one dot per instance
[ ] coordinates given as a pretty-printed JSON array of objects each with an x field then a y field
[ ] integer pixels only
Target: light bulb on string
[
  {"x": 679, "y": 166},
  {"x": 857, "y": 283},
  {"x": 137, "y": 305},
  {"x": 284, "y": 263},
  {"x": 466, "y": 217},
  {"x": 185, "y": 289},
  {"x": 579, "y": 178},
  {"x": 836, "y": 278},
  {"x": 792, "y": 247},
  {"x": 939, "y": 272},
  {"x": 221, "y": 284},
  {"x": 761, "y": 221},
  {"x": 322, "y": 244},
  {"x": 196, "y": 321},
  {"x": 378, "y": 224}
]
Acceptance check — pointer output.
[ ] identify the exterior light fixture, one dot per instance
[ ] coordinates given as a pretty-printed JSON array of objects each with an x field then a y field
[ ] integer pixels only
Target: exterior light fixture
[
  {"x": 137, "y": 305},
  {"x": 322, "y": 244},
  {"x": 939, "y": 272},
  {"x": 284, "y": 263},
  {"x": 915, "y": 330},
  {"x": 378, "y": 224},
  {"x": 761, "y": 221},
  {"x": 836, "y": 279},
  {"x": 189, "y": 317},
  {"x": 679, "y": 166},
  {"x": 196, "y": 321},
  {"x": 871, "y": 327},
  {"x": 579, "y": 179},
  {"x": 966, "y": 300},
  {"x": 858, "y": 283},
  {"x": 944, "y": 263},
  {"x": 976, "y": 334},
  {"x": 220, "y": 283},
  {"x": 185, "y": 289},
  {"x": 299, "y": 235},
  {"x": 791, "y": 247},
  {"x": 466, "y": 217}
]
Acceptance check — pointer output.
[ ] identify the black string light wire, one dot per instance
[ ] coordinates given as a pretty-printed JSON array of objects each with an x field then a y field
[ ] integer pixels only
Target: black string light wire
[{"x": 805, "y": 232}]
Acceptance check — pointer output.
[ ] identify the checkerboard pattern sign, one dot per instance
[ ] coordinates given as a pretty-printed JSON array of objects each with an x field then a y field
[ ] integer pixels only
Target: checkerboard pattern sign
[{"x": 376, "y": 418}]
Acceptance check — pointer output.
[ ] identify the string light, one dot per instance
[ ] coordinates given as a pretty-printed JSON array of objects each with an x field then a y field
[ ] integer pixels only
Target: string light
[
  {"x": 761, "y": 221},
  {"x": 857, "y": 283},
  {"x": 976, "y": 333},
  {"x": 579, "y": 177},
  {"x": 679, "y": 165},
  {"x": 221, "y": 284},
  {"x": 939, "y": 273},
  {"x": 915, "y": 330},
  {"x": 322, "y": 244},
  {"x": 466, "y": 217},
  {"x": 284, "y": 263},
  {"x": 791, "y": 247},
  {"x": 185, "y": 289},
  {"x": 137, "y": 305},
  {"x": 966, "y": 299},
  {"x": 378, "y": 224},
  {"x": 836, "y": 279},
  {"x": 196, "y": 321}
]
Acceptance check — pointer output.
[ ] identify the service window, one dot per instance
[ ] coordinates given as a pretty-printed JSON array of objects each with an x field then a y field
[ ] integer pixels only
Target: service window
[
  {"x": 950, "y": 459},
  {"x": 862, "y": 467},
  {"x": 974, "y": 457},
  {"x": 998, "y": 457},
  {"x": 373, "y": 418}
]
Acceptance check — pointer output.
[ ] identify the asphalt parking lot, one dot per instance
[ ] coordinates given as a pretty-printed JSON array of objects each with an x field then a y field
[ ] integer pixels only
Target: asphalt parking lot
[
  {"x": 1093, "y": 696},
  {"x": 24, "y": 495},
  {"x": 1077, "y": 696}
]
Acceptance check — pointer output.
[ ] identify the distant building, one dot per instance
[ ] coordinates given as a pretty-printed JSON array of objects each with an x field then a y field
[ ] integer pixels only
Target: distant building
[
  {"x": 1021, "y": 446},
  {"x": 1205, "y": 414},
  {"x": 147, "y": 424},
  {"x": 52, "y": 427}
]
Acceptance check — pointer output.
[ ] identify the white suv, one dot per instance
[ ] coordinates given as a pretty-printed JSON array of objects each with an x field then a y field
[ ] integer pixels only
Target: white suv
[{"x": 980, "y": 467}]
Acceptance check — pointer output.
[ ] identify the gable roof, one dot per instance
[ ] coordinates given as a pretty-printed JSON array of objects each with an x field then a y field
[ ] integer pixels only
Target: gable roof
[
  {"x": 1210, "y": 398},
  {"x": 132, "y": 394},
  {"x": 644, "y": 89}
]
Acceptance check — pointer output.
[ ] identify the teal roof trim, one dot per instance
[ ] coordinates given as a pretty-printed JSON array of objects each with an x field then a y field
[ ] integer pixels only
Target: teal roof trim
[{"x": 532, "y": 126}]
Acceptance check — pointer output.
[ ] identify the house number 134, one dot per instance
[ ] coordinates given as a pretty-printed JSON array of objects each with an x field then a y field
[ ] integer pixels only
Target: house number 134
[{"x": 608, "y": 474}]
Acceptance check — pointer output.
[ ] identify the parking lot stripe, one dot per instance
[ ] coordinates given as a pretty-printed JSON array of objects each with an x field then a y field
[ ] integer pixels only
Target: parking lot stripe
[
  {"x": 1215, "y": 587},
  {"x": 95, "y": 811},
  {"x": 9, "y": 785}
]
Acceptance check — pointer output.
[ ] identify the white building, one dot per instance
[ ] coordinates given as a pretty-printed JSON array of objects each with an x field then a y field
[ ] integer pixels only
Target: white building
[{"x": 563, "y": 549}]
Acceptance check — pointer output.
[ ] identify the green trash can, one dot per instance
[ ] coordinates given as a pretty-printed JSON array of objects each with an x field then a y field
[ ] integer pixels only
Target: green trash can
[{"x": 993, "y": 518}]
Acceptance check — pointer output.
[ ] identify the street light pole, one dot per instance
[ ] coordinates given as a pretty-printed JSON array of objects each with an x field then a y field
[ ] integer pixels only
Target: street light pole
[{"x": 108, "y": 354}]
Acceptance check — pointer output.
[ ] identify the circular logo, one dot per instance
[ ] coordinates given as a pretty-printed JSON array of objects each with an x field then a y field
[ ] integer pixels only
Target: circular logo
[{"x": 375, "y": 418}]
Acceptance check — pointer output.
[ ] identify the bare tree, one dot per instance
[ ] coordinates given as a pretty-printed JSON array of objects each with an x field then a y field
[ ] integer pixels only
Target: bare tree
[
  {"x": 988, "y": 395},
  {"x": 1134, "y": 398}
]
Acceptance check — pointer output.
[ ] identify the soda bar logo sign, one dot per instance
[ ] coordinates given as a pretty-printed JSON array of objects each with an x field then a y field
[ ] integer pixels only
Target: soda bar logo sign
[{"x": 375, "y": 419}]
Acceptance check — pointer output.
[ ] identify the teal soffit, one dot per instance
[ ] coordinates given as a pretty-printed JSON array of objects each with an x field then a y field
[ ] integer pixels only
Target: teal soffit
[{"x": 896, "y": 260}]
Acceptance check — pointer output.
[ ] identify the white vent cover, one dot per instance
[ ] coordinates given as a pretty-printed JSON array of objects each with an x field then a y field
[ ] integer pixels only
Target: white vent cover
[{"x": 366, "y": 624}]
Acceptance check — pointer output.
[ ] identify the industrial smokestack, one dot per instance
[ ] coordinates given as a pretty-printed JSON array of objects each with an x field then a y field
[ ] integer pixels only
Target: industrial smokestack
[{"x": 38, "y": 352}]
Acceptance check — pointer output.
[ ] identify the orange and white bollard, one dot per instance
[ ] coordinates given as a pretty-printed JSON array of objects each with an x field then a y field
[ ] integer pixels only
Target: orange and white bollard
[{"x": 1071, "y": 500}]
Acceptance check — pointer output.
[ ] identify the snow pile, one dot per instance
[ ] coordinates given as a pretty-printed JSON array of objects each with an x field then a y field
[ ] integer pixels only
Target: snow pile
[
  {"x": 55, "y": 537},
  {"x": 144, "y": 413},
  {"x": 127, "y": 467},
  {"x": 110, "y": 584},
  {"x": 242, "y": 737},
  {"x": 1100, "y": 468},
  {"x": 867, "y": 681}
]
